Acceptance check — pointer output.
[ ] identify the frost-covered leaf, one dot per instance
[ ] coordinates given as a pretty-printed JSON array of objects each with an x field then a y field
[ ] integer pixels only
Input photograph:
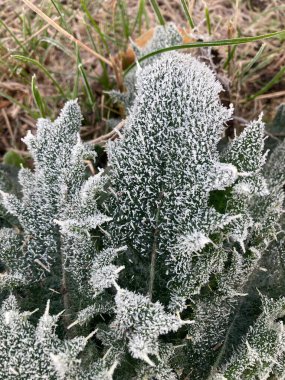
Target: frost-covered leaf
[
  {"x": 37, "y": 353},
  {"x": 56, "y": 190},
  {"x": 164, "y": 36},
  {"x": 262, "y": 346},
  {"x": 24, "y": 352},
  {"x": 13, "y": 270},
  {"x": 167, "y": 163},
  {"x": 142, "y": 322},
  {"x": 246, "y": 151},
  {"x": 104, "y": 272}
]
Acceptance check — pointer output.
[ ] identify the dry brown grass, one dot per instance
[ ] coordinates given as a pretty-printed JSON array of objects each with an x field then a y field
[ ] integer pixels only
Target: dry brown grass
[{"x": 228, "y": 19}]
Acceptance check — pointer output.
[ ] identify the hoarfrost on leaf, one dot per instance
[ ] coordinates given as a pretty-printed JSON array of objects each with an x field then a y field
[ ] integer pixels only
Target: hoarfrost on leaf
[
  {"x": 142, "y": 322},
  {"x": 56, "y": 190}
]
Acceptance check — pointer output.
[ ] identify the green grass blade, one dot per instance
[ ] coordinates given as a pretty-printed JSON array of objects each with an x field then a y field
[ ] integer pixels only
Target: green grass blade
[
  {"x": 208, "y": 21},
  {"x": 57, "y": 44},
  {"x": 253, "y": 61},
  {"x": 94, "y": 24},
  {"x": 124, "y": 19},
  {"x": 230, "y": 57},
  {"x": 228, "y": 42},
  {"x": 13, "y": 36},
  {"x": 157, "y": 12},
  {"x": 147, "y": 19},
  {"x": 76, "y": 80},
  {"x": 187, "y": 14},
  {"x": 26, "y": 26},
  {"x": 24, "y": 59},
  {"x": 61, "y": 13},
  {"x": 37, "y": 97},
  {"x": 270, "y": 84},
  {"x": 15, "y": 101},
  {"x": 139, "y": 16},
  {"x": 105, "y": 74},
  {"x": 90, "y": 96}
]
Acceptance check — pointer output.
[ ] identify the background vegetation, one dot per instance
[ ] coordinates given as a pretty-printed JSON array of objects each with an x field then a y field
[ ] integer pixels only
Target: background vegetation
[{"x": 66, "y": 49}]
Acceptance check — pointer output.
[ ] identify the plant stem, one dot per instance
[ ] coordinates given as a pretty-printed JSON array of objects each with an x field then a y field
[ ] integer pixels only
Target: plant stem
[
  {"x": 152, "y": 263},
  {"x": 64, "y": 292},
  {"x": 154, "y": 249}
]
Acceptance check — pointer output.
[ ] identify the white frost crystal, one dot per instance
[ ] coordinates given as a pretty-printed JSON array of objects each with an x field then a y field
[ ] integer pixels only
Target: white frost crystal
[{"x": 193, "y": 243}]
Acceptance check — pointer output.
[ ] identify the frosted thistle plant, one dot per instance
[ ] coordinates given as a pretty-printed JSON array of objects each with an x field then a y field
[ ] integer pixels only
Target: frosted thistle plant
[
  {"x": 156, "y": 261},
  {"x": 56, "y": 195},
  {"x": 189, "y": 215},
  {"x": 166, "y": 166},
  {"x": 51, "y": 245}
]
